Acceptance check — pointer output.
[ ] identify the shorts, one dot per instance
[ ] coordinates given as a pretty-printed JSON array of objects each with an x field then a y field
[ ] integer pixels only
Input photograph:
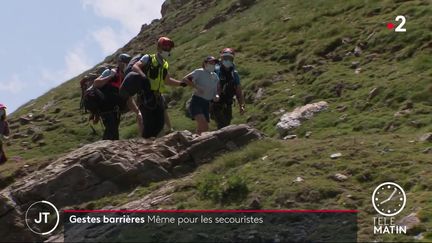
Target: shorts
[{"x": 199, "y": 106}]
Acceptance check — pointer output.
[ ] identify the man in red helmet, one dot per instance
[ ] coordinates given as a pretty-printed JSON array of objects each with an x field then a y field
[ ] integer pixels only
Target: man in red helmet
[
  {"x": 147, "y": 79},
  {"x": 229, "y": 87}
]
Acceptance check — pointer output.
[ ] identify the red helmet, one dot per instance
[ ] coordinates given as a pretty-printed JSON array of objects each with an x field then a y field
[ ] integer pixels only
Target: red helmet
[
  {"x": 2, "y": 106},
  {"x": 165, "y": 43},
  {"x": 228, "y": 52}
]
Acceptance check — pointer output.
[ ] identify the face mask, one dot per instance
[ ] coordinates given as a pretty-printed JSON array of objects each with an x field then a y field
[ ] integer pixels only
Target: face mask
[
  {"x": 165, "y": 54},
  {"x": 209, "y": 68},
  {"x": 2, "y": 112},
  {"x": 227, "y": 63}
]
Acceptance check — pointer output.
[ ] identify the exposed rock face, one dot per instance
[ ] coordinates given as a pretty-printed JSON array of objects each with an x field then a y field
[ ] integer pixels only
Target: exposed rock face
[
  {"x": 292, "y": 120},
  {"x": 108, "y": 167},
  {"x": 427, "y": 137}
]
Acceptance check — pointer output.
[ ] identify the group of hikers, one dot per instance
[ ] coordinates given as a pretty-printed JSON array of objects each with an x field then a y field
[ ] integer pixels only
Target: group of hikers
[{"x": 111, "y": 93}]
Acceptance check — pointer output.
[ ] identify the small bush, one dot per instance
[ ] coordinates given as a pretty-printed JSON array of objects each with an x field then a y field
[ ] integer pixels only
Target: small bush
[
  {"x": 221, "y": 190},
  {"x": 209, "y": 187}
]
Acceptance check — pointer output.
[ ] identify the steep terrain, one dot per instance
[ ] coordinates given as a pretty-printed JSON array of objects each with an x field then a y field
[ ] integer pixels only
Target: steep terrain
[{"x": 377, "y": 84}]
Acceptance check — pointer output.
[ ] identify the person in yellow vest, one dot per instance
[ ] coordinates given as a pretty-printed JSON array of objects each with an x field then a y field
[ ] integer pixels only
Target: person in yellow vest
[{"x": 148, "y": 78}]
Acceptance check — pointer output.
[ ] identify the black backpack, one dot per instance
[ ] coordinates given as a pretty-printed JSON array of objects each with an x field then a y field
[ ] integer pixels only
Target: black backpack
[
  {"x": 132, "y": 62},
  {"x": 228, "y": 86},
  {"x": 93, "y": 100},
  {"x": 85, "y": 83}
]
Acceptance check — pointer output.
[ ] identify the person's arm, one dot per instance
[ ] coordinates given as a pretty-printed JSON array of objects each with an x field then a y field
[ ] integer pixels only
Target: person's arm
[
  {"x": 240, "y": 99},
  {"x": 239, "y": 94},
  {"x": 172, "y": 81},
  {"x": 188, "y": 79},
  {"x": 102, "y": 80},
  {"x": 217, "y": 91},
  {"x": 138, "y": 68}
]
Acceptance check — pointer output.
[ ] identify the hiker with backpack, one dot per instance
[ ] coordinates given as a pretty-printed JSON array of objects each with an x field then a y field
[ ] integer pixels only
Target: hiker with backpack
[
  {"x": 206, "y": 83},
  {"x": 85, "y": 84},
  {"x": 111, "y": 104},
  {"x": 4, "y": 132},
  {"x": 229, "y": 82},
  {"x": 148, "y": 78}
]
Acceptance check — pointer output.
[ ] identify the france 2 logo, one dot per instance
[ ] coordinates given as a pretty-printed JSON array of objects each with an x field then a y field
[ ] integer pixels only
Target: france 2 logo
[{"x": 399, "y": 28}]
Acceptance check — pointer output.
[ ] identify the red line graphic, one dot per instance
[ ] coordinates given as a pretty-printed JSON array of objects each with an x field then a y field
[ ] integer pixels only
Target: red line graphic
[{"x": 215, "y": 211}]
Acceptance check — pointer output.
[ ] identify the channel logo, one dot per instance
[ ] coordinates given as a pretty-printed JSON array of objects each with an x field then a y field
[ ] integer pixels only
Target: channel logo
[{"x": 42, "y": 218}]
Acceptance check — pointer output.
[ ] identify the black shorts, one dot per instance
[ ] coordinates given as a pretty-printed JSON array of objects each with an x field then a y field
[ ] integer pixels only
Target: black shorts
[{"x": 199, "y": 106}]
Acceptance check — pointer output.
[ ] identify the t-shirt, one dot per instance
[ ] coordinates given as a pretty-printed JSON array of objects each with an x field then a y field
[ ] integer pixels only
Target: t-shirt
[
  {"x": 145, "y": 59},
  {"x": 107, "y": 73},
  {"x": 205, "y": 81}
]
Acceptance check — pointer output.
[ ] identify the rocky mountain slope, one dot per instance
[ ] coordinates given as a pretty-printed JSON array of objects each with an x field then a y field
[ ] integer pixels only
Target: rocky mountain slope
[{"x": 376, "y": 85}]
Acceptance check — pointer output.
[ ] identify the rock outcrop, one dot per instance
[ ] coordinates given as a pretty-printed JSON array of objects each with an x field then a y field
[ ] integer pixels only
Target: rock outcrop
[
  {"x": 292, "y": 120},
  {"x": 109, "y": 167}
]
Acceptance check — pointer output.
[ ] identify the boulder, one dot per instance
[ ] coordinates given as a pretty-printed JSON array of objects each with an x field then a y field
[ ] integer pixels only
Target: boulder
[
  {"x": 24, "y": 120},
  {"x": 106, "y": 167},
  {"x": 13, "y": 228},
  {"x": 410, "y": 221},
  {"x": 339, "y": 177},
  {"x": 289, "y": 137},
  {"x": 426, "y": 137},
  {"x": 19, "y": 135},
  {"x": 37, "y": 137},
  {"x": 373, "y": 93},
  {"x": 336, "y": 155},
  {"x": 292, "y": 120},
  {"x": 259, "y": 94}
]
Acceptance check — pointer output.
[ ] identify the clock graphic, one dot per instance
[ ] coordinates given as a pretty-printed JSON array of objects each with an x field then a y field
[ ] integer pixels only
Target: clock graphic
[{"x": 388, "y": 199}]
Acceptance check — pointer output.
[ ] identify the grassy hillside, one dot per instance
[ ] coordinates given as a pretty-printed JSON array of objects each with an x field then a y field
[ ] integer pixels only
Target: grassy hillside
[{"x": 297, "y": 52}]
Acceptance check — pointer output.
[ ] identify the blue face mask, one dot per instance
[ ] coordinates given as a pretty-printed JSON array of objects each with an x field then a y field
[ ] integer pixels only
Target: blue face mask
[{"x": 227, "y": 63}]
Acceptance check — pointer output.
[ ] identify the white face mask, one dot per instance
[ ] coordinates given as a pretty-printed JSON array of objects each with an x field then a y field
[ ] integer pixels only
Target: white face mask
[
  {"x": 165, "y": 54},
  {"x": 227, "y": 63},
  {"x": 209, "y": 67}
]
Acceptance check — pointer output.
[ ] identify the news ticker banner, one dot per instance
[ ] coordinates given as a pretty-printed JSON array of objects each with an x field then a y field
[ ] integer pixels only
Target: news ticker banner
[{"x": 209, "y": 225}]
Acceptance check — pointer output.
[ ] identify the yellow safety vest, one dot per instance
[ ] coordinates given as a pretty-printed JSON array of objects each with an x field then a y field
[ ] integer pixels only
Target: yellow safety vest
[{"x": 156, "y": 73}]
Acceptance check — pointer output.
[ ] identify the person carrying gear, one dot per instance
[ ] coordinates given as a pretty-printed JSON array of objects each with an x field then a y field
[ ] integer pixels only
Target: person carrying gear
[
  {"x": 147, "y": 79},
  {"x": 109, "y": 83},
  {"x": 4, "y": 132},
  {"x": 206, "y": 82},
  {"x": 229, "y": 81}
]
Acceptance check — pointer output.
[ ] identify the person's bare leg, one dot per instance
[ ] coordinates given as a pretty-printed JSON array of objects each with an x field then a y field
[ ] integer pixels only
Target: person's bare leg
[
  {"x": 167, "y": 120},
  {"x": 202, "y": 124}
]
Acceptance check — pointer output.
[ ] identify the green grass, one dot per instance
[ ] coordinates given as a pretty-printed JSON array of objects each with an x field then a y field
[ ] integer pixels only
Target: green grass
[{"x": 267, "y": 170}]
